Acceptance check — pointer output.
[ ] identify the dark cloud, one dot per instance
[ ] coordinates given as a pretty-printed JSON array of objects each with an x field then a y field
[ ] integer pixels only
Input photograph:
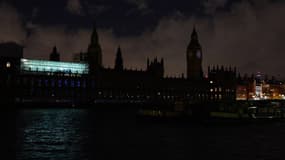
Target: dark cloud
[
  {"x": 74, "y": 7},
  {"x": 249, "y": 36},
  {"x": 98, "y": 9},
  {"x": 252, "y": 33},
  {"x": 140, "y": 4},
  {"x": 43, "y": 38},
  {"x": 141, "y": 7},
  {"x": 211, "y": 6},
  {"x": 249, "y": 33},
  {"x": 11, "y": 28}
]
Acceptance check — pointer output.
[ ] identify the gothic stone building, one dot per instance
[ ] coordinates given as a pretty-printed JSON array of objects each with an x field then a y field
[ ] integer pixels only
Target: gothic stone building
[{"x": 88, "y": 81}]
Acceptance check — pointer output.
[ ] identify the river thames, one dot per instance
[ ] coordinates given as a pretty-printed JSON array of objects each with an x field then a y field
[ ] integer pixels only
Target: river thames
[{"x": 87, "y": 134}]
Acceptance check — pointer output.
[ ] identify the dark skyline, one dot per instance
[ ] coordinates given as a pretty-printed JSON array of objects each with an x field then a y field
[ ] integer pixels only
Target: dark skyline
[{"x": 248, "y": 34}]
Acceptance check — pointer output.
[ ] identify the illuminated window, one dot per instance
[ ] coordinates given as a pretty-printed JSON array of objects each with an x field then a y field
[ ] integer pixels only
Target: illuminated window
[
  {"x": 8, "y": 65},
  {"x": 53, "y": 67},
  {"x": 220, "y": 96}
]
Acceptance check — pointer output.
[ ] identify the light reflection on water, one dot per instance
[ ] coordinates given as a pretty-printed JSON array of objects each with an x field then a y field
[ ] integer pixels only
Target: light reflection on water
[
  {"x": 86, "y": 134},
  {"x": 50, "y": 133}
]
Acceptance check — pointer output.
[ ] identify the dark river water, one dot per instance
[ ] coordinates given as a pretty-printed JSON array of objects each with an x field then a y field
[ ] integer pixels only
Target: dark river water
[{"x": 66, "y": 134}]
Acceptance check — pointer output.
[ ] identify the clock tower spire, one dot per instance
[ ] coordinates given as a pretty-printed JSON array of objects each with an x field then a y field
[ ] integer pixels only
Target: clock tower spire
[
  {"x": 194, "y": 57},
  {"x": 94, "y": 52}
]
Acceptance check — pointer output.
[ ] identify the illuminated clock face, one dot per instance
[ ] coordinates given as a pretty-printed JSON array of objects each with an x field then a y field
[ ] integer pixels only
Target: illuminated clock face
[{"x": 198, "y": 54}]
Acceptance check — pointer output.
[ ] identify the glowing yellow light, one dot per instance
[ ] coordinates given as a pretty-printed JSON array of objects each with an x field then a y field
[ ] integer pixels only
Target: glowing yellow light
[{"x": 8, "y": 64}]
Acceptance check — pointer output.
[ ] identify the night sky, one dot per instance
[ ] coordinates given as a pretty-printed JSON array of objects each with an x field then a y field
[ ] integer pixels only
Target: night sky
[{"x": 248, "y": 34}]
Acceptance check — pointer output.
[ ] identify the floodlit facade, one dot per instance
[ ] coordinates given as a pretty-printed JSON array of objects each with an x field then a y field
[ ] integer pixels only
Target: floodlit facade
[
  {"x": 254, "y": 88},
  {"x": 44, "y": 66}
]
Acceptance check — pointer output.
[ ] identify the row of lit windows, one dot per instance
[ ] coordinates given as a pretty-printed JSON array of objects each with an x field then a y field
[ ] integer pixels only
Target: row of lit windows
[
  {"x": 52, "y": 93},
  {"x": 77, "y": 83},
  {"x": 109, "y": 94},
  {"x": 55, "y": 83},
  {"x": 220, "y": 90},
  {"x": 53, "y": 66},
  {"x": 216, "y": 89}
]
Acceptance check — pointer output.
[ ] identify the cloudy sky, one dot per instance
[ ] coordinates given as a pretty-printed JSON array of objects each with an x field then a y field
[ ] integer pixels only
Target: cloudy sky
[{"x": 248, "y": 34}]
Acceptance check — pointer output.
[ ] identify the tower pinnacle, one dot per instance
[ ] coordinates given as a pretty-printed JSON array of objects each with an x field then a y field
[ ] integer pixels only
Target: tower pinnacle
[
  {"x": 54, "y": 56},
  {"x": 194, "y": 37},
  {"x": 94, "y": 36},
  {"x": 119, "y": 60},
  {"x": 94, "y": 54}
]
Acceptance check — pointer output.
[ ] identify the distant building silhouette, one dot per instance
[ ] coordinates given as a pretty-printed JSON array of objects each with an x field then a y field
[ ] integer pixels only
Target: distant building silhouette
[
  {"x": 88, "y": 81},
  {"x": 94, "y": 53},
  {"x": 155, "y": 67},
  {"x": 194, "y": 58},
  {"x": 54, "y": 56},
  {"x": 119, "y": 60},
  {"x": 259, "y": 87}
]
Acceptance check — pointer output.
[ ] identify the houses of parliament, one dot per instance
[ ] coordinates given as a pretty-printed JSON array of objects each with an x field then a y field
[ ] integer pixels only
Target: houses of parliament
[{"x": 87, "y": 81}]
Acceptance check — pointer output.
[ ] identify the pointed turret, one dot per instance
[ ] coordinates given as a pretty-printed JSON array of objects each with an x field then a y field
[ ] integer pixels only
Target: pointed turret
[
  {"x": 94, "y": 36},
  {"x": 94, "y": 54},
  {"x": 119, "y": 60},
  {"x": 194, "y": 35},
  {"x": 54, "y": 56},
  {"x": 54, "y": 50},
  {"x": 147, "y": 63}
]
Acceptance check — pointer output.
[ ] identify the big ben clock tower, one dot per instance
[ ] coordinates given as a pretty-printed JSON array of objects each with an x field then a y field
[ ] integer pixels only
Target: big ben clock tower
[{"x": 194, "y": 58}]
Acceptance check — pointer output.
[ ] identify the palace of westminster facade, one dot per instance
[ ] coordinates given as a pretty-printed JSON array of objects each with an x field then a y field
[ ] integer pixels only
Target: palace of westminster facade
[{"x": 88, "y": 81}]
